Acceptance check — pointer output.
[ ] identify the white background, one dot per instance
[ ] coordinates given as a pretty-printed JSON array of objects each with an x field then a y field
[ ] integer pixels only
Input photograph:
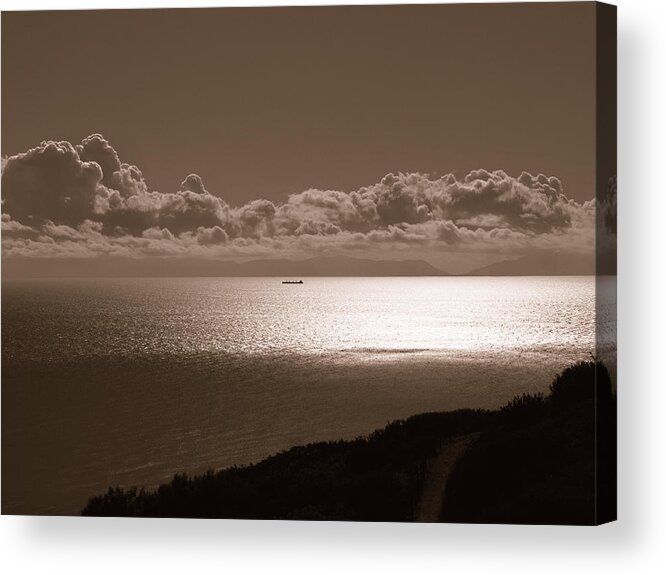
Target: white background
[{"x": 635, "y": 543}]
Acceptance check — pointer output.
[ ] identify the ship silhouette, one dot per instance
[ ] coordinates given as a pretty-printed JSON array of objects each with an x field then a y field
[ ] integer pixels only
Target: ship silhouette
[{"x": 292, "y": 282}]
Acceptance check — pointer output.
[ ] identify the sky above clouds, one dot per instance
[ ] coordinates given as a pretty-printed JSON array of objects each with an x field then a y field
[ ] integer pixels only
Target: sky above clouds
[{"x": 457, "y": 134}]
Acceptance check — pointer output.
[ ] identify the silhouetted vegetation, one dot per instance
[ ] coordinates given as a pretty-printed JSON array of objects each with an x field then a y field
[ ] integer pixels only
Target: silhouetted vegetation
[
  {"x": 540, "y": 462},
  {"x": 534, "y": 463}
]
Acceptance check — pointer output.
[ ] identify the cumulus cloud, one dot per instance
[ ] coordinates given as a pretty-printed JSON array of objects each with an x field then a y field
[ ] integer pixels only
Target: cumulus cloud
[
  {"x": 81, "y": 200},
  {"x": 211, "y": 236},
  {"x": 51, "y": 182},
  {"x": 95, "y": 148},
  {"x": 193, "y": 183}
]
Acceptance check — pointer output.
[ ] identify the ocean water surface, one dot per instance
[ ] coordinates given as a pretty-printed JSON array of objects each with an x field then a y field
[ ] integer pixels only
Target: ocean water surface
[{"x": 127, "y": 381}]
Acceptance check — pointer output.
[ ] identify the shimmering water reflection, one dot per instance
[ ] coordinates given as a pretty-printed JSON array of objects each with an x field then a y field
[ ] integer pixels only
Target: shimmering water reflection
[{"x": 127, "y": 381}]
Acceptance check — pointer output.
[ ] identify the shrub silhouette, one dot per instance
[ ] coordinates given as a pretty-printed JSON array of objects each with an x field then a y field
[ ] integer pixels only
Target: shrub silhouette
[
  {"x": 581, "y": 382},
  {"x": 523, "y": 409},
  {"x": 547, "y": 460}
]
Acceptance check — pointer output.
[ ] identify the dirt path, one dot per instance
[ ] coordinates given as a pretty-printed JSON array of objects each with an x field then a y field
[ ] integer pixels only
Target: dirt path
[{"x": 430, "y": 506}]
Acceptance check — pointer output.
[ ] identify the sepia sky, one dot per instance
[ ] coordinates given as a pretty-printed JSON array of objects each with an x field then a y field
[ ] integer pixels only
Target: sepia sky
[{"x": 462, "y": 133}]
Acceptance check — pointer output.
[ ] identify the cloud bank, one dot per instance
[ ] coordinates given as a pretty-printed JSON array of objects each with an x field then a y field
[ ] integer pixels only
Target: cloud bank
[{"x": 66, "y": 200}]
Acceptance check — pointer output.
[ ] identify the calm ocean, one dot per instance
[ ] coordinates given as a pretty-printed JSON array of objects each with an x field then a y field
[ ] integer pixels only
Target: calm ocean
[{"x": 127, "y": 381}]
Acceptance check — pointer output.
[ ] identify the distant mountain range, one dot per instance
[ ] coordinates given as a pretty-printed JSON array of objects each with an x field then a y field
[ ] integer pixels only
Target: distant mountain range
[
  {"x": 541, "y": 264},
  {"x": 547, "y": 264},
  {"x": 337, "y": 266},
  {"x": 157, "y": 267}
]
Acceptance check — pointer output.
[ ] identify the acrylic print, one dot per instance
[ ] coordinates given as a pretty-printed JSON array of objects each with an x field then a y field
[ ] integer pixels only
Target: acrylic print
[{"x": 340, "y": 263}]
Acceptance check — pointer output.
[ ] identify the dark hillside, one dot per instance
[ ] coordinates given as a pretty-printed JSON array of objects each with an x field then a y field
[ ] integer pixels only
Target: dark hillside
[{"x": 539, "y": 464}]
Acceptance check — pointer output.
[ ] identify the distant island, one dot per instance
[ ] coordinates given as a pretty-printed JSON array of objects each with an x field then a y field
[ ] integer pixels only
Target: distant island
[
  {"x": 547, "y": 263},
  {"x": 531, "y": 461},
  {"x": 540, "y": 264}
]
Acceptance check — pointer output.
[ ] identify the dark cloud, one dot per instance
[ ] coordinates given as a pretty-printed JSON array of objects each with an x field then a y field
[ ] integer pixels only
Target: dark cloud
[
  {"x": 50, "y": 182},
  {"x": 533, "y": 203},
  {"x": 211, "y": 236},
  {"x": 12, "y": 229},
  {"x": 254, "y": 219},
  {"x": 83, "y": 199},
  {"x": 128, "y": 181},
  {"x": 95, "y": 148},
  {"x": 68, "y": 185}
]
